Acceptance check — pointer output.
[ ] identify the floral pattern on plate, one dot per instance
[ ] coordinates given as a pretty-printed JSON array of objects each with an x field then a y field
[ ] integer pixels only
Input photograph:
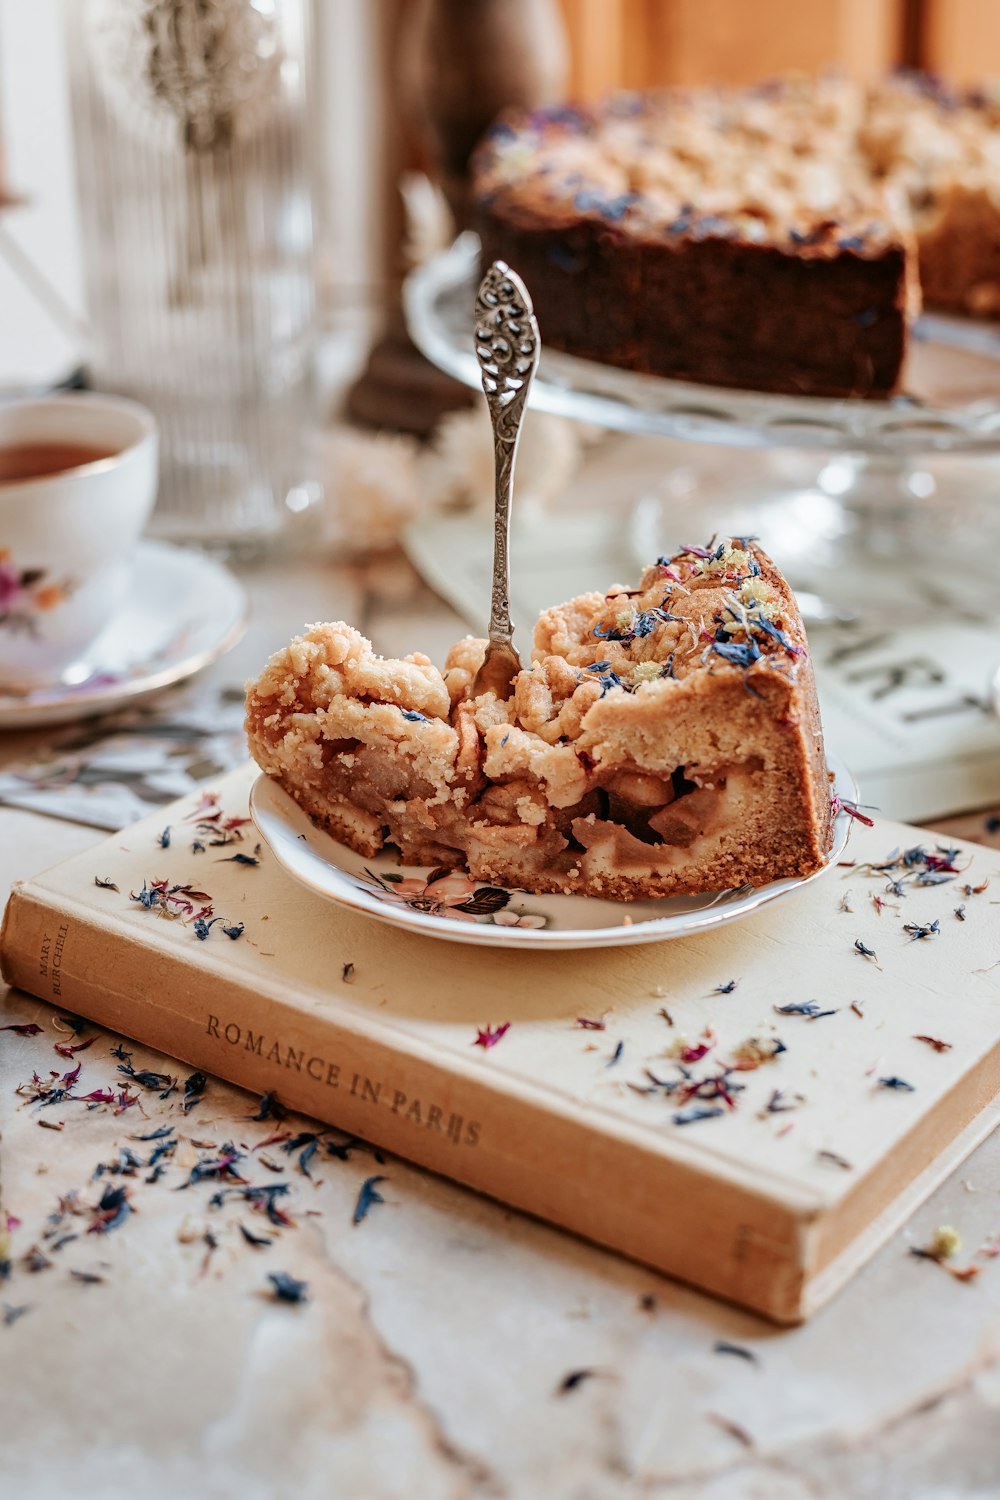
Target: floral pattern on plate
[{"x": 447, "y": 893}]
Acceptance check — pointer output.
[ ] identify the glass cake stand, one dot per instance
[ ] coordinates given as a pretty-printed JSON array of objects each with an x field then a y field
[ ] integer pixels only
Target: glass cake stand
[{"x": 894, "y": 480}]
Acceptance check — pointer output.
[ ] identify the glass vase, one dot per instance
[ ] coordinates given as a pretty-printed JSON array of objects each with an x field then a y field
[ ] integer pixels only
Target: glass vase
[{"x": 192, "y": 134}]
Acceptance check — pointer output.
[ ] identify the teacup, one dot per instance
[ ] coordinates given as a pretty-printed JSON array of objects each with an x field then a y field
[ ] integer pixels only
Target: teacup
[{"x": 77, "y": 484}]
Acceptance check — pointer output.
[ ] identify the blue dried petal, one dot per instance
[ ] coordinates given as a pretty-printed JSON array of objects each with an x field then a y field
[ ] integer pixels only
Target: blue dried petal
[
  {"x": 723, "y": 1346},
  {"x": 761, "y": 622},
  {"x": 810, "y": 237},
  {"x": 589, "y": 202},
  {"x": 811, "y": 1009},
  {"x": 286, "y": 1288},
  {"x": 259, "y": 1241},
  {"x": 617, "y": 208},
  {"x": 712, "y": 224},
  {"x": 367, "y": 1197},
  {"x": 697, "y": 1112},
  {"x": 740, "y": 654},
  {"x": 919, "y": 930},
  {"x": 114, "y": 1201},
  {"x": 558, "y": 114}
]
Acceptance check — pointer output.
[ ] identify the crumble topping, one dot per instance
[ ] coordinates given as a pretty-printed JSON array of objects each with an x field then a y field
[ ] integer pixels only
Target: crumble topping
[{"x": 819, "y": 164}]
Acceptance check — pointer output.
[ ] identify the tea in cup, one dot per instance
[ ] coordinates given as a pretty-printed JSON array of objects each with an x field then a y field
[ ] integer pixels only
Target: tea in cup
[{"x": 77, "y": 485}]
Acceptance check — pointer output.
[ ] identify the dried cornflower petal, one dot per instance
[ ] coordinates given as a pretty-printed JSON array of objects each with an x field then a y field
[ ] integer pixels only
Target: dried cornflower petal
[
  {"x": 286, "y": 1288},
  {"x": 367, "y": 1197}
]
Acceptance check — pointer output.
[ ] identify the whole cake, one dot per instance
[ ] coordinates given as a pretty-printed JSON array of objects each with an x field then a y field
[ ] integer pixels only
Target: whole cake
[
  {"x": 774, "y": 238},
  {"x": 665, "y": 739}
]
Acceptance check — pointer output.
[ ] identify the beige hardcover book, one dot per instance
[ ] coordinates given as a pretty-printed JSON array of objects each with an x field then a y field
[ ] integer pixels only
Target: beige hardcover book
[{"x": 817, "y": 1153}]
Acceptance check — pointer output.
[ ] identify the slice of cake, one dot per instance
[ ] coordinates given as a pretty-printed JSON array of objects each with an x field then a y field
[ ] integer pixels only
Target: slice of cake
[{"x": 666, "y": 739}]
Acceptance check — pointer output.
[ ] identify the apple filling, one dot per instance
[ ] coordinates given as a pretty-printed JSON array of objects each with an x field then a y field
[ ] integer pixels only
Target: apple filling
[{"x": 628, "y": 821}]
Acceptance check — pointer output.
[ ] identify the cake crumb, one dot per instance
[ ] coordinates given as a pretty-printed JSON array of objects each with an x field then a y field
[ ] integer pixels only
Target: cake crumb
[{"x": 945, "y": 1242}]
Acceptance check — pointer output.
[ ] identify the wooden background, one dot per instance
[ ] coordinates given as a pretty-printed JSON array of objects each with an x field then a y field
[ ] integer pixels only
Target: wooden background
[{"x": 641, "y": 43}]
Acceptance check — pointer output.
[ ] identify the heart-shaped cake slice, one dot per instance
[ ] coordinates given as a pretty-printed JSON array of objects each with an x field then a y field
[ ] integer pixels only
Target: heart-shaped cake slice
[{"x": 665, "y": 740}]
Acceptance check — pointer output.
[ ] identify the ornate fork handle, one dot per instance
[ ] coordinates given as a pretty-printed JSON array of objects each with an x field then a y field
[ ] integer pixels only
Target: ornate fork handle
[{"x": 507, "y": 346}]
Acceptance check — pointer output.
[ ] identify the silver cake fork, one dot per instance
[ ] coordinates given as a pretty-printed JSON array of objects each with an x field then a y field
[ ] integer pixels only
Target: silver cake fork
[{"x": 507, "y": 346}]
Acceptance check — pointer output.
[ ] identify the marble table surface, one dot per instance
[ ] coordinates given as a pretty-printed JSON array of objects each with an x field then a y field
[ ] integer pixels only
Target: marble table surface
[{"x": 449, "y": 1347}]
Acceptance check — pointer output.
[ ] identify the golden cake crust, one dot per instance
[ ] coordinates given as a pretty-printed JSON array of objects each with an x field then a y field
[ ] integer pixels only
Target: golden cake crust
[{"x": 664, "y": 739}]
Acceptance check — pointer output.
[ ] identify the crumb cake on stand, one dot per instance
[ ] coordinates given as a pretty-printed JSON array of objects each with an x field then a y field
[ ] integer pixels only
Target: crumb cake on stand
[
  {"x": 894, "y": 479},
  {"x": 779, "y": 237},
  {"x": 746, "y": 267}
]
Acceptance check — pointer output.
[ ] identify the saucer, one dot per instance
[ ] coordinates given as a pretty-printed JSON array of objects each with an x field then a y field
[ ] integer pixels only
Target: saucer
[
  {"x": 467, "y": 911},
  {"x": 181, "y": 612}
]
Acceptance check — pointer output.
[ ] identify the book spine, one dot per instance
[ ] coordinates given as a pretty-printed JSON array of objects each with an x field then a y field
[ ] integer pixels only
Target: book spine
[{"x": 478, "y": 1126}]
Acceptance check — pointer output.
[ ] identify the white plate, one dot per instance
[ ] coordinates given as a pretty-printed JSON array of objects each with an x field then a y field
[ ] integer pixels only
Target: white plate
[
  {"x": 181, "y": 612},
  {"x": 398, "y": 894}
]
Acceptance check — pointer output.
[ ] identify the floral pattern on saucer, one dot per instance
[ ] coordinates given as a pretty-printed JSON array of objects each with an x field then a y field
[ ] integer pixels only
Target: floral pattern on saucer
[
  {"x": 445, "y": 893},
  {"x": 27, "y": 593},
  {"x": 181, "y": 610}
]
